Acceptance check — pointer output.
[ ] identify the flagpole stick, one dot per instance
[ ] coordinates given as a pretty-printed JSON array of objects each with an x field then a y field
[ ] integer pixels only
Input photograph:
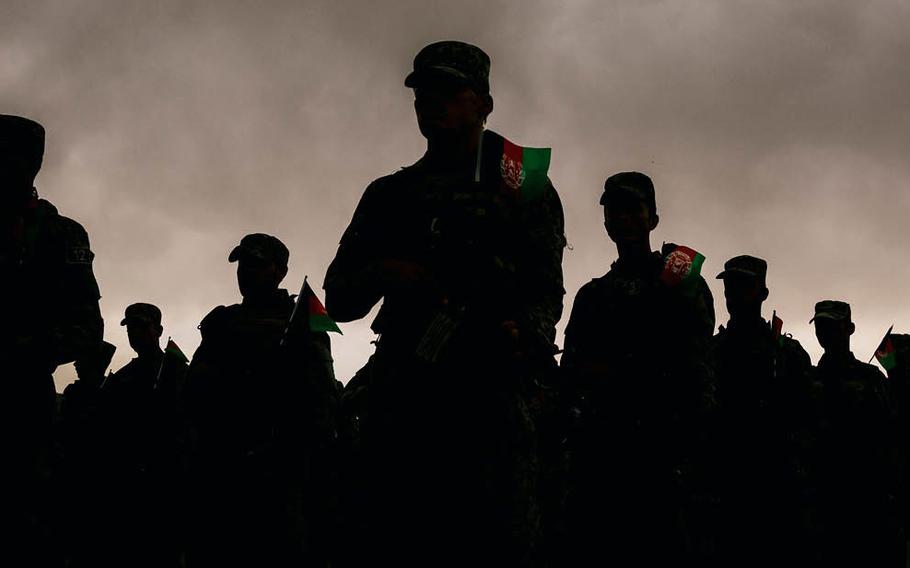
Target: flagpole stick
[
  {"x": 287, "y": 329},
  {"x": 161, "y": 366}
]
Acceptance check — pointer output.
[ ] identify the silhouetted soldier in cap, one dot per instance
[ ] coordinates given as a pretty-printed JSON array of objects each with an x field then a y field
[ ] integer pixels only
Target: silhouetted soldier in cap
[
  {"x": 765, "y": 427},
  {"x": 470, "y": 278},
  {"x": 858, "y": 469},
  {"x": 263, "y": 415},
  {"x": 49, "y": 302},
  {"x": 635, "y": 359},
  {"x": 139, "y": 429}
]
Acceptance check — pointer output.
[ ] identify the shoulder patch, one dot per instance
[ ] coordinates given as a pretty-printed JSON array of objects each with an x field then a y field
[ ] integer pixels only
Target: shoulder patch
[{"x": 79, "y": 255}]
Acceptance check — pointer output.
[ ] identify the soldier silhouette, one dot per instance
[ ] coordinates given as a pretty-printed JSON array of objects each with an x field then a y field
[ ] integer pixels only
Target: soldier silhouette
[
  {"x": 139, "y": 428},
  {"x": 470, "y": 278},
  {"x": 858, "y": 470},
  {"x": 635, "y": 363},
  {"x": 261, "y": 400},
  {"x": 764, "y": 431},
  {"x": 49, "y": 302}
]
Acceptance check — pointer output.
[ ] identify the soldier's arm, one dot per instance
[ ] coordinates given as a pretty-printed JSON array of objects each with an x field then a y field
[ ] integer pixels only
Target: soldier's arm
[
  {"x": 696, "y": 344},
  {"x": 352, "y": 282},
  {"x": 541, "y": 270},
  {"x": 203, "y": 372},
  {"x": 78, "y": 326},
  {"x": 579, "y": 363}
]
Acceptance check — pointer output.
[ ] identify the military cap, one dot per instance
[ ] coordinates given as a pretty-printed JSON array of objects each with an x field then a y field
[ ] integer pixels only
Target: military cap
[
  {"x": 24, "y": 139},
  {"x": 141, "y": 313},
  {"x": 832, "y": 309},
  {"x": 457, "y": 60},
  {"x": 261, "y": 246},
  {"x": 635, "y": 184},
  {"x": 745, "y": 265}
]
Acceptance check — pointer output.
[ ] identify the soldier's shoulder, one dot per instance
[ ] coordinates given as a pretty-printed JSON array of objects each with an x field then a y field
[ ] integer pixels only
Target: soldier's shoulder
[
  {"x": 869, "y": 371},
  {"x": 589, "y": 294},
  {"x": 395, "y": 180},
  {"x": 383, "y": 191},
  {"x": 595, "y": 286},
  {"x": 70, "y": 230},
  {"x": 218, "y": 317},
  {"x": 793, "y": 346},
  {"x": 124, "y": 372}
]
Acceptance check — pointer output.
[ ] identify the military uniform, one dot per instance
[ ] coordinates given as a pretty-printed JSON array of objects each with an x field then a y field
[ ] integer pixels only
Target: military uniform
[
  {"x": 635, "y": 360},
  {"x": 764, "y": 435},
  {"x": 858, "y": 476},
  {"x": 49, "y": 301},
  {"x": 139, "y": 430},
  {"x": 635, "y": 365},
  {"x": 263, "y": 416},
  {"x": 451, "y": 445}
]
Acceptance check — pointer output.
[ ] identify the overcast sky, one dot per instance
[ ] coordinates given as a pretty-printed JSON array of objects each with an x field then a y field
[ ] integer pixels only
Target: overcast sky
[{"x": 777, "y": 128}]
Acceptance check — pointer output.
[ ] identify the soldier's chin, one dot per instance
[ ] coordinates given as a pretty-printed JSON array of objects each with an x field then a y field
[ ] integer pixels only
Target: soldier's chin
[
  {"x": 435, "y": 131},
  {"x": 623, "y": 238}
]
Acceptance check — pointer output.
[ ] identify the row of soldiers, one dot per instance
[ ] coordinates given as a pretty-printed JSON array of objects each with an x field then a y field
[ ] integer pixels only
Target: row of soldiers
[{"x": 462, "y": 441}]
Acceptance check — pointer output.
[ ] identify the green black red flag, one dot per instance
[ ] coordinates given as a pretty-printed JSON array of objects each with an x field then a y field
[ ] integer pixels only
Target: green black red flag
[{"x": 885, "y": 353}]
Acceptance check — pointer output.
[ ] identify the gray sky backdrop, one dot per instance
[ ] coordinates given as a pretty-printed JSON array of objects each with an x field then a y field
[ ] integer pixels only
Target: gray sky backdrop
[{"x": 776, "y": 128}]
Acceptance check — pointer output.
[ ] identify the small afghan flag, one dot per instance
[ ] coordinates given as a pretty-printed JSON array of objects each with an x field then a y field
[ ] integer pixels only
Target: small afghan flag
[
  {"x": 522, "y": 170},
  {"x": 681, "y": 266},
  {"x": 172, "y": 349},
  {"x": 777, "y": 328},
  {"x": 886, "y": 354},
  {"x": 317, "y": 315}
]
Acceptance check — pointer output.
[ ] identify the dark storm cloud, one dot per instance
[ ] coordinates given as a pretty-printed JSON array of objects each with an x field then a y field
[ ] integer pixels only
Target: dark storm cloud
[{"x": 774, "y": 128}]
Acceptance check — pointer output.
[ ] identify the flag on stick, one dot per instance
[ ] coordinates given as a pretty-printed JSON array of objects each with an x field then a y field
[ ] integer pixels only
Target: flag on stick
[
  {"x": 681, "y": 266},
  {"x": 317, "y": 315},
  {"x": 173, "y": 350},
  {"x": 885, "y": 353},
  {"x": 519, "y": 169}
]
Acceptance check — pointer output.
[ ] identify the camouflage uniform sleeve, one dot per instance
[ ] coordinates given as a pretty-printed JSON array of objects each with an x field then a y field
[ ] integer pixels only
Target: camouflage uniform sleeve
[
  {"x": 576, "y": 356},
  {"x": 351, "y": 282},
  {"x": 704, "y": 309},
  {"x": 203, "y": 371},
  {"x": 78, "y": 327},
  {"x": 541, "y": 269},
  {"x": 697, "y": 345}
]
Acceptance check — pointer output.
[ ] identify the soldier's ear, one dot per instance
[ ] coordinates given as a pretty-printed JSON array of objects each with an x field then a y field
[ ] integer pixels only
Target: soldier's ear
[
  {"x": 851, "y": 327},
  {"x": 281, "y": 273},
  {"x": 764, "y": 293},
  {"x": 159, "y": 330},
  {"x": 655, "y": 219},
  {"x": 486, "y": 106}
]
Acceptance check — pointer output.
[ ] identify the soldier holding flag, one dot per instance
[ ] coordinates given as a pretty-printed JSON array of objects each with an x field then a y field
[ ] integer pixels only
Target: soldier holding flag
[
  {"x": 139, "y": 426},
  {"x": 764, "y": 430},
  {"x": 464, "y": 249},
  {"x": 635, "y": 362},
  {"x": 261, "y": 395},
  {"x": 858, "y": 461}
]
